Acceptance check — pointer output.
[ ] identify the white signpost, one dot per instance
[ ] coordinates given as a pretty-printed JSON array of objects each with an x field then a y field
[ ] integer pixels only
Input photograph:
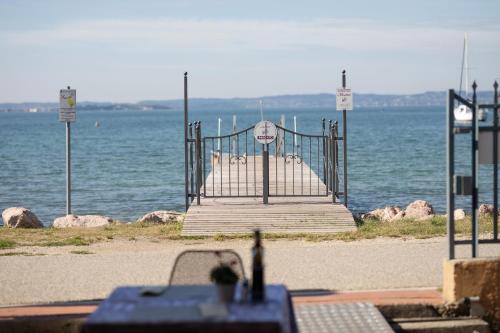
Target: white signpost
[
  {"x": 344, "y": 99},
  {"x": 344, "y": 103},
  {"x": 67, "y": 114},
  {"x": 265, "y": 132}
]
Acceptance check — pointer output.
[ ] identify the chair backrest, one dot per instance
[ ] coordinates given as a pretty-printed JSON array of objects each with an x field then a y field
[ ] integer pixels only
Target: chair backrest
[{"x": 194, "y": 266}]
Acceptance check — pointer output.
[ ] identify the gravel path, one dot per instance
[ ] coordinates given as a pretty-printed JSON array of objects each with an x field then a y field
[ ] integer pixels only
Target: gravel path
[{"x": 60, "y": 275}]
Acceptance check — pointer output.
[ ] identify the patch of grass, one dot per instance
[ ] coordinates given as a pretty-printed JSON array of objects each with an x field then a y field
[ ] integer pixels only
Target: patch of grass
[
  {"x": 8, "y": 254},
  {"x": 366, "y": 229},
  {"x": 76, "y": 241},
  {"x": 81, "y": 252},
  {"x": 10, "y": 237},
  {"x": 7, "y": 244}
]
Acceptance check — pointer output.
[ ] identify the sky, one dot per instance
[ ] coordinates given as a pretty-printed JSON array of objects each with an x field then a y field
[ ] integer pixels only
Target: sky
[{"x": 127, "y": 51}]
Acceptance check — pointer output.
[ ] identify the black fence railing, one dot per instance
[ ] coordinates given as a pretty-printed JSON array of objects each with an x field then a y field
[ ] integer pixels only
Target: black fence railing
[
  {"x": 236, "y": 165},
  {"x": 484, "y": 150}
]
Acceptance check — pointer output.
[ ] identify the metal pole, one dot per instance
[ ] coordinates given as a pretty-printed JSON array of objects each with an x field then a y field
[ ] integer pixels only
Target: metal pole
[
  {"x": 325, "y": 155},
  {"x": 218, "y": 134},
  {"x": 295, "y": 143},
  {"x": 495, "y": 162},
  {"x": 68, "y": 167},
  {"x": 191, "y": 161},
  {"x": 334, "y": 162},
  {"x": 475, "y": 182},
  {"x": 186, "y": 188},
  {"x": 450, "y": 170},
  {"x": 197, "y": 130},
  {"x": 234, "y": 137},
  {"x": 344, "y": 137},
  {"x": 265, "y": 178}
]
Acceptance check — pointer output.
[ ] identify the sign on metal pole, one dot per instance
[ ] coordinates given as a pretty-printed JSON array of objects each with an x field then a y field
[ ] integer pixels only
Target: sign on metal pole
[
  {"x": 67, "y": 114},
  {"x": 344, "y": 99},
  {"x": 265, "y": 132},
  {"x": 67, "y": 104}
]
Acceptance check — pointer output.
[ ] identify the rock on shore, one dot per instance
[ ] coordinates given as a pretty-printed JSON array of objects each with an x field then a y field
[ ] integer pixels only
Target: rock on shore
[
  {"x": 20, "y": 217},
  {"x": 162, "y": 216},
  {"x": 485, "y": 209},
  {"x": 83, "y": 221},
  {"x": 418, "y": 209},
  {"x": 459, "y": 214},
  {"x": 389, "y": 213}
]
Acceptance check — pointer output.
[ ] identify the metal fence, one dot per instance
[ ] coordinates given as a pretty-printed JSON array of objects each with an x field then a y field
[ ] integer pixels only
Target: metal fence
[
  {"x": 236, "y": 165},
  {"x": 468, "y": 184}
]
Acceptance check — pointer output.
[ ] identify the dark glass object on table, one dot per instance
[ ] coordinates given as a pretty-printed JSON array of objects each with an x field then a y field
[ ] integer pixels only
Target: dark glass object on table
[{"x": 258, "y": 294}]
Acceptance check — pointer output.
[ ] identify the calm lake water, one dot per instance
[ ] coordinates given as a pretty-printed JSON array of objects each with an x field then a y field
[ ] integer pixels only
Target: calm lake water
[{"x": 133, "y": 163}]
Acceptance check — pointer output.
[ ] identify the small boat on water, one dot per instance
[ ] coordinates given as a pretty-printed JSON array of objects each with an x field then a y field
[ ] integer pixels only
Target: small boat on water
[
  {"x": 462, "y": 112},
  {"x": 97, "y": 124}
]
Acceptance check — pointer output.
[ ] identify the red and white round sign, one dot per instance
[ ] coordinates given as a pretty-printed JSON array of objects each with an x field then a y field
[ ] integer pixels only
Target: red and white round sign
[{"x": 265, "y": 132}]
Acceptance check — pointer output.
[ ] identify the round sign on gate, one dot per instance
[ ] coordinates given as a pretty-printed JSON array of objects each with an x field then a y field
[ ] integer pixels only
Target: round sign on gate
[{"x": 265, "y": 132}]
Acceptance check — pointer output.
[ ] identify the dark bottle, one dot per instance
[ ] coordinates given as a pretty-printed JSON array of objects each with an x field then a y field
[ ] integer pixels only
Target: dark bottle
[{"x": 257, "y": 269}]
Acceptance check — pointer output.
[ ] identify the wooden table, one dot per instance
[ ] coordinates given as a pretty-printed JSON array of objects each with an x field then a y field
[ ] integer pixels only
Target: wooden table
[{"x": 185, "y": 309}]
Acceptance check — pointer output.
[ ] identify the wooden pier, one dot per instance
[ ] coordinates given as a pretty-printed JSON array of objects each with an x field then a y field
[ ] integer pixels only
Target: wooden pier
[{"x": 298, "y": 201}]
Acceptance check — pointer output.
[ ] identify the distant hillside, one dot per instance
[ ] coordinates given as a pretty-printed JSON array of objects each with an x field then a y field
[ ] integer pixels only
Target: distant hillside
[
  {"x": 431, "y": 98},
  {"x": 81, "y": 106},
  {"x": 316, "y": 101}
]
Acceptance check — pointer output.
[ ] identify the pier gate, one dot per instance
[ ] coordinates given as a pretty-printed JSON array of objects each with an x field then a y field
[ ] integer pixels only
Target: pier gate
[{"x": 293, "y": 164}]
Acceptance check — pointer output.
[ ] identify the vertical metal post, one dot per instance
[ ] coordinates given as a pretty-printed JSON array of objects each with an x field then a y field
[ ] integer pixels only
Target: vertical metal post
[
  {"x": 186, "y": 188},
  {"x": 265, "y": 176},
  {"x": 191, "y": 161},
  {"x": 234, "y": 138},
  {"x": 475, "y": 182},
  {"x": 450, "y": 171},
  {"x": 495, "y": 161},
  {"x": 68, "y": 167},
  {"x": 344, "y": 138},
  {"x": 325, "y": 155},
  {"x": 334, "y": 162},
  {"x": 198, "y": 161}
]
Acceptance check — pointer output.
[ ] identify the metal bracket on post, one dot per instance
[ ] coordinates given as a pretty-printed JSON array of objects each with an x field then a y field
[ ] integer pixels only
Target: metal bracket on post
[{"x": 462, "y": 185}]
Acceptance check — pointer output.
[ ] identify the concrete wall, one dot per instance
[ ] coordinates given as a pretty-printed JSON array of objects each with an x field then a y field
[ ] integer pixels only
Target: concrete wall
[{"x": 473, "y": 277}]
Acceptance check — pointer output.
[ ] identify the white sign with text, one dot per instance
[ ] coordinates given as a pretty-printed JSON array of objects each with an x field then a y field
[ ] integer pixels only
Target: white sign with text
[
  {"x": 265, "y": 132},
  {"x": 67, "y": 105},
  {"x": 344, "y": 99}
]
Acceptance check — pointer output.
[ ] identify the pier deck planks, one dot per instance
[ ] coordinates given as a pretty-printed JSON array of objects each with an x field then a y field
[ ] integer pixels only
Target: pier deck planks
[{"x": 236, "y": 215}]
